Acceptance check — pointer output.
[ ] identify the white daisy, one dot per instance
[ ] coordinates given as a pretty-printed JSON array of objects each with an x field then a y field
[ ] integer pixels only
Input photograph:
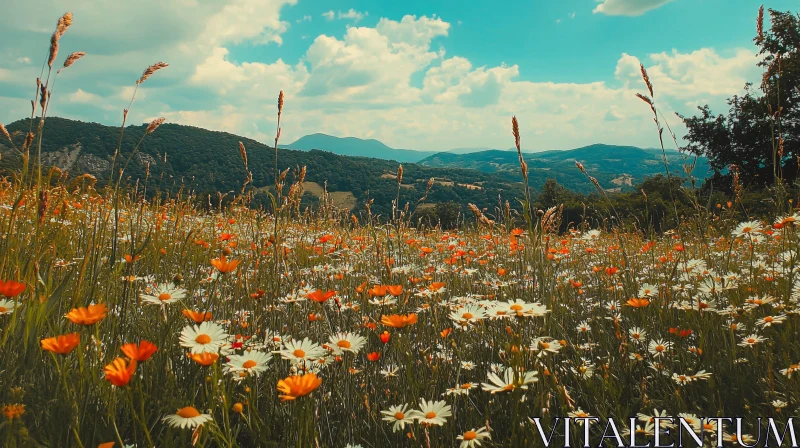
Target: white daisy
[
  {"x": 187, "y": 417},
  {"x": 299, "y": 351},
  {"x": 346, "y": 342},
  {"x": 207, "y": 337},
  {"x": 433, "y": 412},
  {"x": 253, "y": 363},
  {"x": 473, "y": 437},
  {"x": 399, "y": 415},
  {"x": 7, "y": 306},
  {"x": 163, "y": 294}
]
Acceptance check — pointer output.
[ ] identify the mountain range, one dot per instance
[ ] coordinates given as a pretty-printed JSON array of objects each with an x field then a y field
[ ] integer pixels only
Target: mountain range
[{"x": 352, "y": 171}]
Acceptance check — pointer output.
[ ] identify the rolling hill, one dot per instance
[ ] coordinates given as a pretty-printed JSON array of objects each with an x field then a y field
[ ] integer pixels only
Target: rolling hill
[
  {"x": 351, "y": 146},
  {"x": 615, "y": 167},
  {"x": 207, "y": 162}
]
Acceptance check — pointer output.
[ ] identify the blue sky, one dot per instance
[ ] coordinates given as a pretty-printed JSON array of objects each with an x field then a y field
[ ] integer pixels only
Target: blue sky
[{"x": 421, "y": 74}]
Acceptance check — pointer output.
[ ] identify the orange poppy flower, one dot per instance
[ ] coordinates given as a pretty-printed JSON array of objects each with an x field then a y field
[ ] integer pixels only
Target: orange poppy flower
[
  {"x": 320, "y": 297},
  {"x": 377, "y": 291},
  {"x": 61, "y": 345},
  {"x": 395, "y": 290},
  {"x": 298, "y": 386},
  {"x": 204, "y": 359},
  {"x": 88, "y": 315},
  {"x": 385, "y": 337},
  {"x": 141, "y": 352},
  {"x": 106, "y": 445},
  {"x": 435, "y": 286},
  {"x": 398, "y": 320},
  {"x": 445, "y": 333},
  {"x": 374, "y": 356},
  {"x": 638, "y": 303},
  {"x": 224, "y": 265},
  {"x": 197, "y": 316},
  {"x": 119, "y": 372},
  {"x": 11, "y": 288}
]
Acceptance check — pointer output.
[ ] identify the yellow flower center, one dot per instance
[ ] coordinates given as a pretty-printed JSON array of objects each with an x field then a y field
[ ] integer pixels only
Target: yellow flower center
[
  {"x": 299, "y": 353},
  {"x": 544, "y": 345},
  {"x": 430, "y": 415},
  {"x": 399, "y": 415},
  {"x": 249, "y": 364},
  {"x": 203, "y": 339},
  {"x": 470, "y": 435},
  {"x": 768, "y": 319},
  {"x": 344, "y": 344},
  {"x": 516, "y": 307},
  {"x": 466, "y": 385},
  {"x": 660, "y": 348},
  {"x": 3, "y": 309},
  {"x": 164, "y": 296},
  {"x": 188, "y": 412},
  {"x": 467, "y": 316},
  {"x": 751, "y": 340}
]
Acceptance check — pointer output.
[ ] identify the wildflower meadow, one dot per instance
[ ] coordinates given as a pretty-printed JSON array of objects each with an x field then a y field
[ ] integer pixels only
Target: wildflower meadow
[{"x": 133, "y": 320}]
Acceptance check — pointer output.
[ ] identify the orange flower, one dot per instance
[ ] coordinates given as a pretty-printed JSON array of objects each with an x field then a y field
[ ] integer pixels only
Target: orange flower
[
  {"x": 445, "y": 333},
  {"x": 398, "y": 320},
  {"x": 435, "y": 286},
  {"x": 204, "y": 359},
  {"x": 320, "y": 297},
  {"x": 259, "y": 294},
  {"x": 377, "y": 291},
  {"x": 638, "y": 303},
  {"x": 385, "y": 337},
  {"x": 11, "y": 288},
  {"x": 119, "y": 372},
  {"x": 395, "y": 290},
  {"x": 374, "y": 356},
  {"x": 141, "y": 352},
  {"x": 197, "y": 316},
  {"x": 87, "y": 315},
  {"x": 224, "y": 265},
  {"x": 106, "y": 445},
  {"x": 298, "y": 386},
  {"x": 61, "y": 345}
]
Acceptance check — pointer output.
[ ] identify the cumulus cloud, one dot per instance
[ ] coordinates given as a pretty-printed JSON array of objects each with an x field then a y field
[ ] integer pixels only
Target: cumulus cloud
[
  {"x": 372, "y": 64},
  {"x": 627, "y": 7},
  {"x": 391, "y": 81},
  {"x": 702, "y": 74}
]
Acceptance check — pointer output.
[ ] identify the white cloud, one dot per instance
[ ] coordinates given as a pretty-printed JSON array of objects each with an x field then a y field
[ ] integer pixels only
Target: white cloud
[
  {"x": 688, "y": 75},
  {"x": 372, "y": 65},
  {"x": 81, "y": 96},
  {"x": 305, "y": 18},
  {"x": 353, "y": 15},
  {"x": 627, "y": 7},
  {"x": 390, "y": 81},
  {"x": 330, "y": 15}
]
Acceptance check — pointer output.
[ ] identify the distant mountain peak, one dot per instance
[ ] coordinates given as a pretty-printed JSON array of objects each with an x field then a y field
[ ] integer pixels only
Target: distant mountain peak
[{"x": 354, "y": 146}]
